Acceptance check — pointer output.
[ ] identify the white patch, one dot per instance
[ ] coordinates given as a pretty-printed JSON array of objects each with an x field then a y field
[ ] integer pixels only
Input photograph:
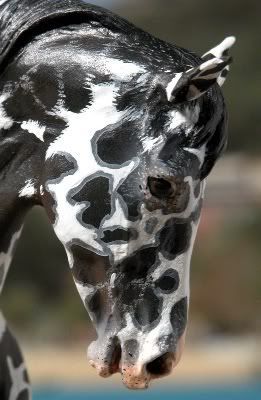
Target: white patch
[
  {"x": 150, "y": 143},
  {"x": 84, "y": 291},
  {"x": 118, "y": 218},
  {"x": 199, "y": 153},
  {"x": 5, "y": 121},
  {"x": 129, "y": 331},
  {"x": 189, "y": 116},
  {"x": 35, "y": 128},
  {"x": 112, "y": 280},
  {"x": 3, "y": 2},
  {"x": 2, "y": 326},
  {"x": 41, "y": 190},
  {"x": 209, "y": 64},
  {"x": 172, "y": 85},
  {"x": 76, "y": 140},
  {"x": 203, "y": 188},
  {"x": 6, "y": 258},
  {"x": 221, "y": 79},
  {"x": 117, "y": 69},
  {"x": 17, "y": 378},
  {"x": 29, "y": 189},
  {"x": 219, "y": 50}
]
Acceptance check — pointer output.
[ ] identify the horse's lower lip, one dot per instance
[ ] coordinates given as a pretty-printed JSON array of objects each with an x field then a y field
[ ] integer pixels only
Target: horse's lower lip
[
  {"x": 105, "y": 370},
  {"x": 137, "y": 376}
]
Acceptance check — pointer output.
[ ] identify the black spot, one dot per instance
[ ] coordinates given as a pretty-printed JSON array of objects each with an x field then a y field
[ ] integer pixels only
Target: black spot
[
  {"x": 224, "y": 73},
  {"x": 95, "y": 192},
  {"x": 208, "y": 56},
  {"x": 132, "y": 196},
  {"x": 147, "y": 309},
  {"x": 131, "y": 350},
  {"x": 119, "y": 235},
  {"x": 89, "y": 268},
  {"x": 112, "y": 354},
  {"x": 138, "y": 265},
  {"x": 45, "y": 85},
  {"x": 77, "y": 95},
  {"x": 178, "y": 317},
  {"x": 151, "y": 225},
  {"x": 98, "y": 304},
  {"x": 129, "y": 294},
  {"x": 175, "y": 238},
  {"x": 118, "y": 144},
  {"x": 132, "y": 278},
  {"x": 169, "y": 281},
  {"x": 22, "y": 106},
  {"x": 59, "y": 165}
]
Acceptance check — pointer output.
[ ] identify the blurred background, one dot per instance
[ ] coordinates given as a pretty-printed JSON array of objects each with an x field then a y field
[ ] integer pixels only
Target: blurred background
[{"x": 224, "y": 337}]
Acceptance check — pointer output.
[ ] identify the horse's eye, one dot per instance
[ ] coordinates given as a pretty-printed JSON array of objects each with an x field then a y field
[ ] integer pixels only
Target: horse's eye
[{"x": 161, "y": 188}]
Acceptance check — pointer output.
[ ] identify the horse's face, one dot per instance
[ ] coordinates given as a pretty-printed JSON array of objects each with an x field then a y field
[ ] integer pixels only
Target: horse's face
[{"x": 124, "y": 187}]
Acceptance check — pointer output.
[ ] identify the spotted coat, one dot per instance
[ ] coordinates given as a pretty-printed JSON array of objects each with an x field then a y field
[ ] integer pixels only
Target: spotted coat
[{"x": 113, "y": 132}]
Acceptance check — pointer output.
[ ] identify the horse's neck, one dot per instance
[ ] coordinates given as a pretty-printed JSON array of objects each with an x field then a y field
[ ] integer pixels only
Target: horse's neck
[{"x": 19, "y": 178}]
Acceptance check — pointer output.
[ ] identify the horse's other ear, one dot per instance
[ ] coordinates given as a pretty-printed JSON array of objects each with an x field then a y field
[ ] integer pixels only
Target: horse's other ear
[{"x": 193, "y": 83}]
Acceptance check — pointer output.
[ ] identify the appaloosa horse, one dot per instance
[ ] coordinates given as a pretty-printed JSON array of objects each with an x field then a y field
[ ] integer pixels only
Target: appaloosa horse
[{"x": 113, "y": 132}]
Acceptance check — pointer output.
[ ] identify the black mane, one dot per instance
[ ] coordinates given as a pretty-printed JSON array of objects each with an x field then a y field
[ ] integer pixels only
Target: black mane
[{"x": 23, "y": 20}]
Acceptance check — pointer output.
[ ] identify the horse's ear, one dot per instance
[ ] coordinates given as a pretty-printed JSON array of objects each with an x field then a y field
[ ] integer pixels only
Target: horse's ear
[{"x": 193, "y": 83}]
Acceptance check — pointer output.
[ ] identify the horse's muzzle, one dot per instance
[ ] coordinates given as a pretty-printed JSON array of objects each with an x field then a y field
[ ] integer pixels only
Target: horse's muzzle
[{"x": 136, "y": 374}]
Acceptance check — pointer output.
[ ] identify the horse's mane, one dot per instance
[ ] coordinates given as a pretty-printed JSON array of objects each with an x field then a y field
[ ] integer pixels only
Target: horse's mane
[{"x": 23, "y": 20}]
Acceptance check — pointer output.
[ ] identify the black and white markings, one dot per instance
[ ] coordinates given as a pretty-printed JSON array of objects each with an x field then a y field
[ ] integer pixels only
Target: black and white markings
[
  {"x": 95, "y": 193},
  {"x": 106, "y": 125},
  {"x": 178, "y": 316},
  {"x": 14, "y": 383},
  {"x": 59, "y": 166},
  {"x": 6, "y": 257},
  {"x": 20, "y": 388},
  {"x": 168, "y": 282},
  {"x": 175, "y": 238},
  {"x": 148, "y": 308},
  {"x": 88, "y": 267}
]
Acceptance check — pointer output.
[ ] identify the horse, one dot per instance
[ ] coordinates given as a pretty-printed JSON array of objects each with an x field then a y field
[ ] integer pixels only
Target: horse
[{"x": 113, "y": 132}]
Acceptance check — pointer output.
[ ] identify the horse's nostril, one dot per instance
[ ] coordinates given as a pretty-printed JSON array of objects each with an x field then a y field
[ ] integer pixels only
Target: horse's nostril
[
  {"x": 161, "y": 366},
  {"x": 116, "y": 358}
]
